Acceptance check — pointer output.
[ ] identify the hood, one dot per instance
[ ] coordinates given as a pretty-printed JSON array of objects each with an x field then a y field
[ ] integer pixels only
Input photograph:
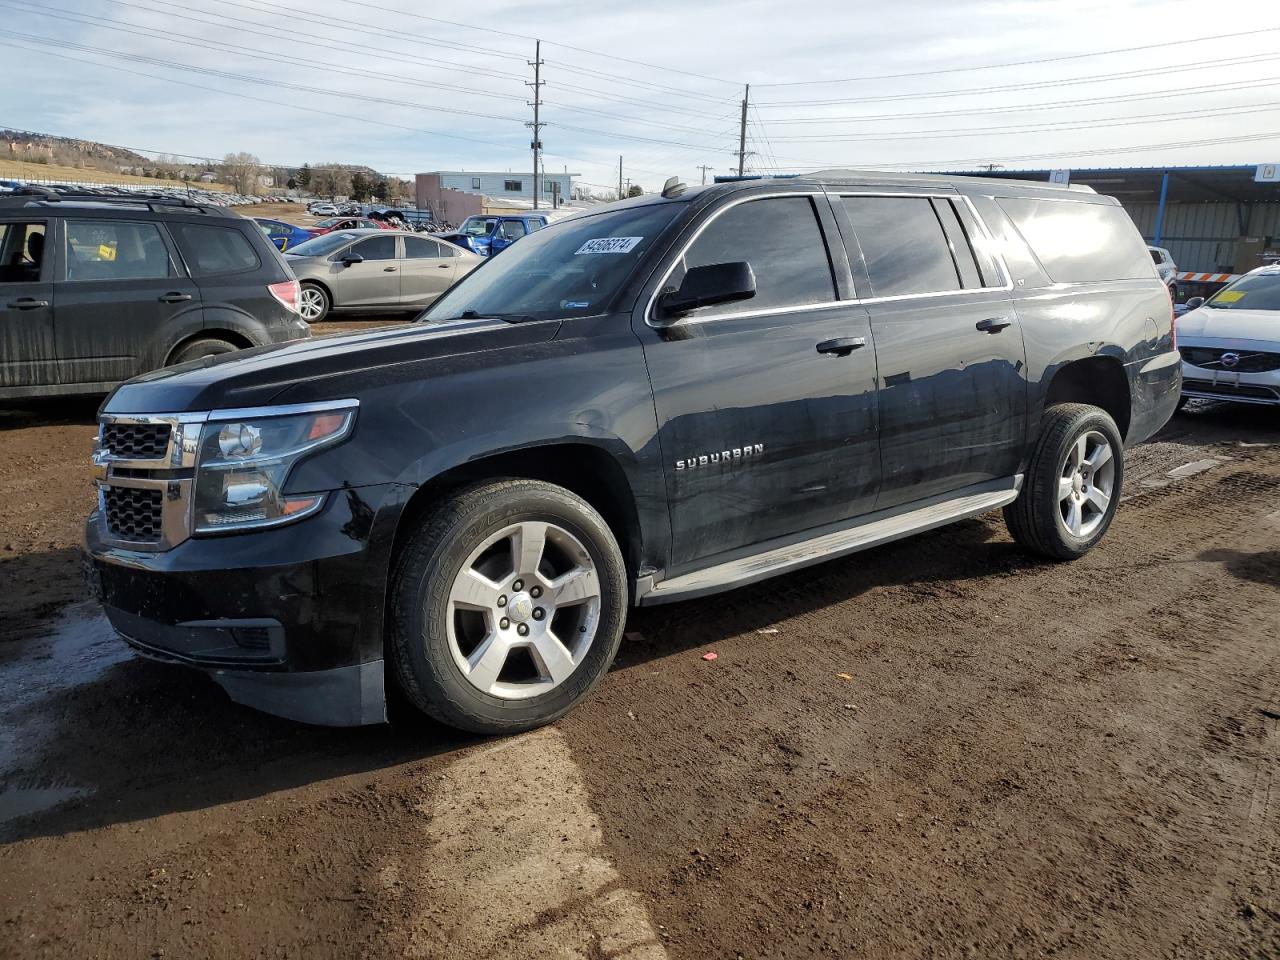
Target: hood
[
  {"x": 1206, "y": 326},
  {"x": 256, "y": 377}
]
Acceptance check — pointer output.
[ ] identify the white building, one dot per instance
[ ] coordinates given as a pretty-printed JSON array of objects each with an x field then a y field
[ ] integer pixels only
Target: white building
[{"x": 506, "y": 185}]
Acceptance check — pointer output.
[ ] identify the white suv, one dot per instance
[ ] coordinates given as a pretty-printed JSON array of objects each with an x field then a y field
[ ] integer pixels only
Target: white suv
[
  {"x": 1167, "y": 269},
  {"x": 1230, "y": 344}
]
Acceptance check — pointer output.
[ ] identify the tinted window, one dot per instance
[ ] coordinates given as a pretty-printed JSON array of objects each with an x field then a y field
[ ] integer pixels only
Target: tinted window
[
  {"x": 322, "y": 245},
  {"x": 1079, "y": 242},
  {"x": 903, "y": 244},
  {"x": 21, "y": 251},
  {"x": 1155, "y": 256},
  {"x": 781, "y": 239},
  {"x": 213, "y": 250},
  {"x": 416, "y": 248},
  {"x": 115, "y": 250},
  {"x": 376, "y": 248}
]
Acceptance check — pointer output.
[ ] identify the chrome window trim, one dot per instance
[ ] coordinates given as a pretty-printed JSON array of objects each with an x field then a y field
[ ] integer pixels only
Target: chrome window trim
[{"x": 996, "y": 254}]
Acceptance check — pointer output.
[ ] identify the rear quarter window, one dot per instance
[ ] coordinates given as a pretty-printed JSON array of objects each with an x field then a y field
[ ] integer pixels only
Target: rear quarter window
[
  {"x": 1078, "y": 242},
  {"x": 211, "y": 251}
]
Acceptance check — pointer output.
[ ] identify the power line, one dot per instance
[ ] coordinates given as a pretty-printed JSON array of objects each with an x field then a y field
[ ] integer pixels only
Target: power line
[
  {"x": 1036, "y": 85},
  {"x": 1062, "y": 156},
  {"x": 1043, "y": 105},
  {"x": 553, "y": 43},
  {"x": 223, "y": 46},
  {"x": 1024, "y": 63},
  {"x": 246, "y": 78},
  {"x": 1086, "y": 124}
]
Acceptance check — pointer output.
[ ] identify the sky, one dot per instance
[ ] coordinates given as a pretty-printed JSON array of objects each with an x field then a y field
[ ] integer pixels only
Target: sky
[{"x": 919, "y": 85}]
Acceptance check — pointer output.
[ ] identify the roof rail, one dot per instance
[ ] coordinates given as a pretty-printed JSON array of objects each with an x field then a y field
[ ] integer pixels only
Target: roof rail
[{"x": 152, "y": 201}]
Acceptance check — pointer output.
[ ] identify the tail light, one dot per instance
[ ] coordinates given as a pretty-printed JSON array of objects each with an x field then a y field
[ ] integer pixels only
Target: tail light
[
  {"x": 1173, "y": 322},
  {"x": 288, "y": 294}
]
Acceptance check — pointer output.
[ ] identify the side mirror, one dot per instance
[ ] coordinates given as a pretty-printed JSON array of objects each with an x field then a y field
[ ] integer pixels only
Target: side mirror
[
  {"x": 708, "y": 285},
  {"x": 1193, "y": 302},
  {"x": 352, "y": 258}
]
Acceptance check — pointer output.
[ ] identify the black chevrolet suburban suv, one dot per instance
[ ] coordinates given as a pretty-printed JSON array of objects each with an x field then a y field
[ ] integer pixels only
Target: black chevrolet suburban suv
[
  {"x": 96, "y": 289},
  {"x": 660, "y": 399}
]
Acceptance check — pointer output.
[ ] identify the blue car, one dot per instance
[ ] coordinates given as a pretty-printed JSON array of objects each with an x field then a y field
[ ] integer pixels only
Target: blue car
[
  {"x": 492, "y": 233},
  {"x": 283, "y": 235}
]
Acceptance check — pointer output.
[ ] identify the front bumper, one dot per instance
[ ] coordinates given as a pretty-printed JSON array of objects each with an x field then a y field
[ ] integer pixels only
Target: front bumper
[
  {"x": 1206, "y": 384},
  {"x": 288, "y": 620}
]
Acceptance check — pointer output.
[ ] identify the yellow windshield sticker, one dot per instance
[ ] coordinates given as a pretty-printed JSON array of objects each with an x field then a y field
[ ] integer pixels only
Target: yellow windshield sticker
[
  {"x": 106, "y": 252},
  {"x": 1230, "y": 296}
]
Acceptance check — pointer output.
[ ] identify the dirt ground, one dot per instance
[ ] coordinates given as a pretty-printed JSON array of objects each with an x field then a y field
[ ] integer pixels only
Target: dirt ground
[{"x": 939, "y": 748}]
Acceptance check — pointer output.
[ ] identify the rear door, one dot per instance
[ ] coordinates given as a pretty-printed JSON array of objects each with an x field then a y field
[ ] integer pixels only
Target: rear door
[
  {"x": 121, "y": 288},
  {"x": 766, "y": 407},
  {"x": 951, "y": 364},
  {"x": 427, "y": 269},
  {"x": 27, "y": 355}
]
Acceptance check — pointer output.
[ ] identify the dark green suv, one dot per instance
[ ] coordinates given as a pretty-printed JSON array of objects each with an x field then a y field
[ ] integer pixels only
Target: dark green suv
[{"x": 95, "y": 290}]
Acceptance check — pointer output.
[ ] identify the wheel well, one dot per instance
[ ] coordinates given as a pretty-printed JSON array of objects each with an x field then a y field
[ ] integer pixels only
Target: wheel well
[
  {"x": 322, "y": 285},
  {"x": 1099, "y": 381},
  {"x": 586, "y": 470},
  {"x": 238, "y": 340}
]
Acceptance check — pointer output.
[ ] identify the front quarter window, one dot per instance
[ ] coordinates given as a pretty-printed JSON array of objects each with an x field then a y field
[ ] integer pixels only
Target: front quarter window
[{"x": 572, "y": 268}]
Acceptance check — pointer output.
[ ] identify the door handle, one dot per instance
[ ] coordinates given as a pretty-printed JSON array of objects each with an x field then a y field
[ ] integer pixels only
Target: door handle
[
  {"x": 388, "y": 269},
  {"x": 175, "y": 297},
  {"x": 993, "y": 324},
  {"x": 442, "y": 266},
  {"x": 842, "y": 346},
  {"x": 27, "y": 303}
]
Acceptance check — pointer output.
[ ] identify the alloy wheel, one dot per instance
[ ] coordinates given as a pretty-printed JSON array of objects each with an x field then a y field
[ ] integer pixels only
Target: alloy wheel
[
  {"x": 523, "y": 610},
  {"x": 311, "y": 304},
  {"x": 1086, "y": 484}
]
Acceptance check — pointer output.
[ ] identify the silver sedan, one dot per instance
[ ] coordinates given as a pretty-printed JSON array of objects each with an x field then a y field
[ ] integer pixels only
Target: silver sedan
[{"x": 375, "y": 271}]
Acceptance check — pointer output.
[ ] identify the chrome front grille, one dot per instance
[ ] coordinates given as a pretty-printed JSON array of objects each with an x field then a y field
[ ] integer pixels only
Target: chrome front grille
[
  {"x": 133, "y": 514},
  {"x": 1231, "y": 361},
  {"x": 136, "y": 441},
  {"x": 145, "y": 468}
]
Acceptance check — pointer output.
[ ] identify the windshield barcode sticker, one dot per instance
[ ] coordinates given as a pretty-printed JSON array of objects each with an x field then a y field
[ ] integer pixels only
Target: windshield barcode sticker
[{"x": 609, "y": 245}]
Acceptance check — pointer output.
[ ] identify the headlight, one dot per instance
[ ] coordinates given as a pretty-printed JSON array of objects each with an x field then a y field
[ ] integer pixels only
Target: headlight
[{"x": 243, "y": 464}]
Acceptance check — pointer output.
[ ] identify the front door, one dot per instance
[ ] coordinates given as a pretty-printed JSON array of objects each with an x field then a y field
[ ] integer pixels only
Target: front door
[
  {"x": 507, "y": 233},
  {"x": 766, "y": 407},
  {"x": 426, "y": 271},
  {"x": 374, "y": 282},
  {"x": 26, "y": 306},
  {"x": 121, "y": 288},
  {"x": 952, "y": 370}
]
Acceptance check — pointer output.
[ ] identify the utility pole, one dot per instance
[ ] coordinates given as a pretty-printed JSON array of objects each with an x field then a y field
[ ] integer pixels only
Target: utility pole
[
  {"x": 704, "y": 168},
  {"x": 619, "y": 178},
  {"x": 628, "y": 185},
  {"x": 536, "y": 144},
  {"x": 742, "y": 131}
]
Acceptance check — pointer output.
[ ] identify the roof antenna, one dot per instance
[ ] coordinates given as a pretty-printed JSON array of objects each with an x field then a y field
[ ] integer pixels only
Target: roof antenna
[{"x": 673, "y": 188}]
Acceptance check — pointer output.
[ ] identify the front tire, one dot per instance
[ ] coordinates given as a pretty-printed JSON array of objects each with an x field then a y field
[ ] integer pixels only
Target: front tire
[
  {"x": 1072, "y": 487},
  {"x": 314, "y": 303},
  {"x": 508, "y": 606},
  {"x": 199, "y": 349}
]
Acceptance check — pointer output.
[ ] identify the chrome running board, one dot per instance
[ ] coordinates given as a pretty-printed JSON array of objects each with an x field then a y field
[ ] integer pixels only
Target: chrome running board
[{"x": 827, "y": 543}]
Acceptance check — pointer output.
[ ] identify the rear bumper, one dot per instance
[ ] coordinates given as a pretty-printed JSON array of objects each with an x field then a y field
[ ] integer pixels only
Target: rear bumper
[
  {"x": 1155, "y": 386},
  {"x": 287, "y": 620}
]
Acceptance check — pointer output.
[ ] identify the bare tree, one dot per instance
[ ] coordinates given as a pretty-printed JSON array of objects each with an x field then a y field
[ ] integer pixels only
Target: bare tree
[
  {"x": 330, "y": 180},
  {"x": 240, "y": 171}
]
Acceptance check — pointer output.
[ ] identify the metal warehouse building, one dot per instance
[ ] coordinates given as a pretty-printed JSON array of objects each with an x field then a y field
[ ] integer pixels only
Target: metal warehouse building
[{"x": 1214, "y": 219}]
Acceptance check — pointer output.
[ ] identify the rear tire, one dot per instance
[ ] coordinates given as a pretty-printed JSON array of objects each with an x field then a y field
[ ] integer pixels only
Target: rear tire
[
  {"x": 1072, "y": 486},
  {"x": 199, "y": 349},
  {"x": 314, "y": 302},
  {"x": 508, "y": 605}
]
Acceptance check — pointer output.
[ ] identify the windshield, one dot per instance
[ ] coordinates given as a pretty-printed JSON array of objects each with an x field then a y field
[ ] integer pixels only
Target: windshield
[
  {"x": 323, "y": 245},
  {"x": 571, "y": 268},
  {"x": 1258, "y": 291},
  {"x": 478, "y": 226}
]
